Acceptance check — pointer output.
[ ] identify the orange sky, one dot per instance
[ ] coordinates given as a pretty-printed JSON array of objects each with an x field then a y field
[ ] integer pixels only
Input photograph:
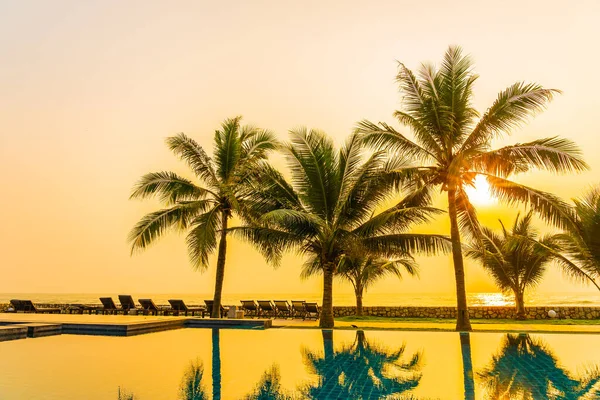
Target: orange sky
[{"x": 89, "y": 91}]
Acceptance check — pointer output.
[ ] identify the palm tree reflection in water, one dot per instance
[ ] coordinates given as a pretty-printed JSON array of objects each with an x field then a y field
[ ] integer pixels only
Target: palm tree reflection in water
[
  {"x": 360, "y": 371},
  {"x": 526, "y": 368},
  {"x": 269, "y": 387}
]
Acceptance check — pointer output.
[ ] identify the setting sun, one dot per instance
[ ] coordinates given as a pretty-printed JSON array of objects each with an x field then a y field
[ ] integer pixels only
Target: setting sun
[{"x": 480, "y": 193}]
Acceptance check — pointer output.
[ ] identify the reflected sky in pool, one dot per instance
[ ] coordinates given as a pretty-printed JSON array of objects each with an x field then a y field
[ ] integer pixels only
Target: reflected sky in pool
[{"x": 302, "y": 363}]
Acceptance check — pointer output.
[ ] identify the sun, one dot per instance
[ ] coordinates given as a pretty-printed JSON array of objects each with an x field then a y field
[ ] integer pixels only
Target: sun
[{"x": 480, "y": 194}]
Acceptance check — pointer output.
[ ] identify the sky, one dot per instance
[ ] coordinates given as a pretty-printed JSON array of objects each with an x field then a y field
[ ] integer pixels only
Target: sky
[{"x": 90, "y": 90}]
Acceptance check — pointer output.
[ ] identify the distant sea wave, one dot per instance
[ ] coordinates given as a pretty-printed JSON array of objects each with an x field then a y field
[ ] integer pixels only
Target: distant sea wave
[{"x": 340, "y": 299}]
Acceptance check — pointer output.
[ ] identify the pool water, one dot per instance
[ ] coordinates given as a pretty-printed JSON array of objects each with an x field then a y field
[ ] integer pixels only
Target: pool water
[{"x": 302, "y": 363}]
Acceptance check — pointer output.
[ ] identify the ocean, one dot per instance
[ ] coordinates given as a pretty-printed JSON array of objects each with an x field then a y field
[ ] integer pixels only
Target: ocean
[{"x": 339, "y": 299}]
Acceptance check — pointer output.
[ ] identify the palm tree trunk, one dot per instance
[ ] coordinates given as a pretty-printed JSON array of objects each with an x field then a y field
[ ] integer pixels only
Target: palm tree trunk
[
  {"x": 359, "y": 304},
  {"x": 326, "y": 320},
  {"x": 462, "y": 318},
  {"x": 216, "y": 310},
  {"x": 465, "y": 349},
  {"x": 520, "y": 304}
]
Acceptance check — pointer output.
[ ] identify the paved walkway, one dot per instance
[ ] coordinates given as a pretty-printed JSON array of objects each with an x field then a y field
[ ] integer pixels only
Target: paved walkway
[{"x": 444, "y": 326}]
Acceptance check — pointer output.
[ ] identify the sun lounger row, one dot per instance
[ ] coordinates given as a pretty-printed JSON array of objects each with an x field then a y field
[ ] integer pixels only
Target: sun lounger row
[
  {"x": 280, "y": 309},
  {"x": 128, "y": 306},
  {"x": 148, "y": 307}
]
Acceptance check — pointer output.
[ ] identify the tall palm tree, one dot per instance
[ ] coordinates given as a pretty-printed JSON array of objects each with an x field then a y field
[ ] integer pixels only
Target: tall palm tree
[
  {"x": 525, "y": 368},
  {"x": 516, "y": 259},
  {"x": 329, "y": 208},
  {"x": 580, "y": 243},
  {"x": 453, "y": 145},
  {"x": 204, "y": 210},
  {"x": 362, "y": 271}
]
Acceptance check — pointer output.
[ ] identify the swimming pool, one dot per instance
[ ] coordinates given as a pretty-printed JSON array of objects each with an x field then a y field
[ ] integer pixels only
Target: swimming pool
[{"x": 301, "y": 363}]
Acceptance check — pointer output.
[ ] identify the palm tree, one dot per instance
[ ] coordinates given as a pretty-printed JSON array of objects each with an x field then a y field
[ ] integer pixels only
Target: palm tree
[
  {"x": 516, "y": 258},
  {"x": 363, "y": 270},
  {"x": 580, "y": 244},
  {"x": 329, "y": 208},
  {"x": 453, "y": 147},
  {"x": 525, "y": 368},
  {"x": 204, "y": 211},
  {"x": 361, "y": 370}
]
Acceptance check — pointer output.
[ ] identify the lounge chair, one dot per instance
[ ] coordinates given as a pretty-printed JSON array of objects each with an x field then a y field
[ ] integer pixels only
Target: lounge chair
[
  {"x": 178, "y": 306},
  {"x": 267, "y": 308},
  {"x": 108, "y": 306},
  {"x": 209, "y": 307},
  {"x": 312, "y": 310},
  {"x": 28, "y": 306},
  {"x": 284, "y": 309},
  {"x": 128, "y": 304},
  {"x": 148, "y": 307},
  {"x": 250, "y": 308},
  {"x": 299, "y": 308}
]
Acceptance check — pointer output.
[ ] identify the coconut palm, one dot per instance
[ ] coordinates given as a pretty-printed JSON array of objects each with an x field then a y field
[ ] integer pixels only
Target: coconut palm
[
  {"x": 453, "y": 146},
  {"x": 517, "y": 258},
  {"x": 329, "y": 208},
  {"x": 525, "y": 368},
  {"x": 204, "y": 210},
  {"x": 580, "y": 244},
  {"x": 363, "y": 270}
]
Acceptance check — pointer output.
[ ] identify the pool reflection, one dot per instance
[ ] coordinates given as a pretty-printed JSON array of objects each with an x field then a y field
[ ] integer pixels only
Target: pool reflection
[
  {"x": 282, "y": 364},
  {"x": 526, "y": 368},
  {"x": 360, "y": 370},
  {"x": 269, "y": 387}
]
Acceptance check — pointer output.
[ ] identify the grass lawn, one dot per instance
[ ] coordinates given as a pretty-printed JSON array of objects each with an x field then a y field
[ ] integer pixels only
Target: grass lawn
[{"x": 473, "y": 321}]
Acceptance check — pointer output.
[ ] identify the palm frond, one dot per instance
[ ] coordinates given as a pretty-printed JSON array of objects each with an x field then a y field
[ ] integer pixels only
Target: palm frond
[
  {"x": 168, "y": 186},
  {"x": 188, "y": 150},
  {"x": 313, "y": 163},
  {"x": 228, "y": 148},
  {"x": 402, "y": 244},
  {"x": 383, "y": 136},
  {"x": 512, "y": 108},
  {"x": 155, "y": 224},
  {"x": 270, "y": 242},
  {"x": 548, "y": 206},
  {"x": 202, "y": 238},
  {"x": 257, "y": 144},
  {"x": 553, "y": 154},
  {"x": 467, "y": 215},
  {"x": 298, "y": 222}
]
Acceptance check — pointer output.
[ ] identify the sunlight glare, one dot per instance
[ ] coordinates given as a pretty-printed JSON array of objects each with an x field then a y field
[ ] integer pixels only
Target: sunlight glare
[{"x": 480, "y": 194}]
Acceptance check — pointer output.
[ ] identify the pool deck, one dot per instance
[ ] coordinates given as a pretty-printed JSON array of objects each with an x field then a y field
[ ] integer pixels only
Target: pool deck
[
  {"x": 18, "y": 326},
  {"x": 444, "y": 326}
]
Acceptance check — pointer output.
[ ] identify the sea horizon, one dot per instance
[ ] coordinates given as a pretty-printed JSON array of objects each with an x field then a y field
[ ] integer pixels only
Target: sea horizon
[{"x": 342, "y": 299}]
